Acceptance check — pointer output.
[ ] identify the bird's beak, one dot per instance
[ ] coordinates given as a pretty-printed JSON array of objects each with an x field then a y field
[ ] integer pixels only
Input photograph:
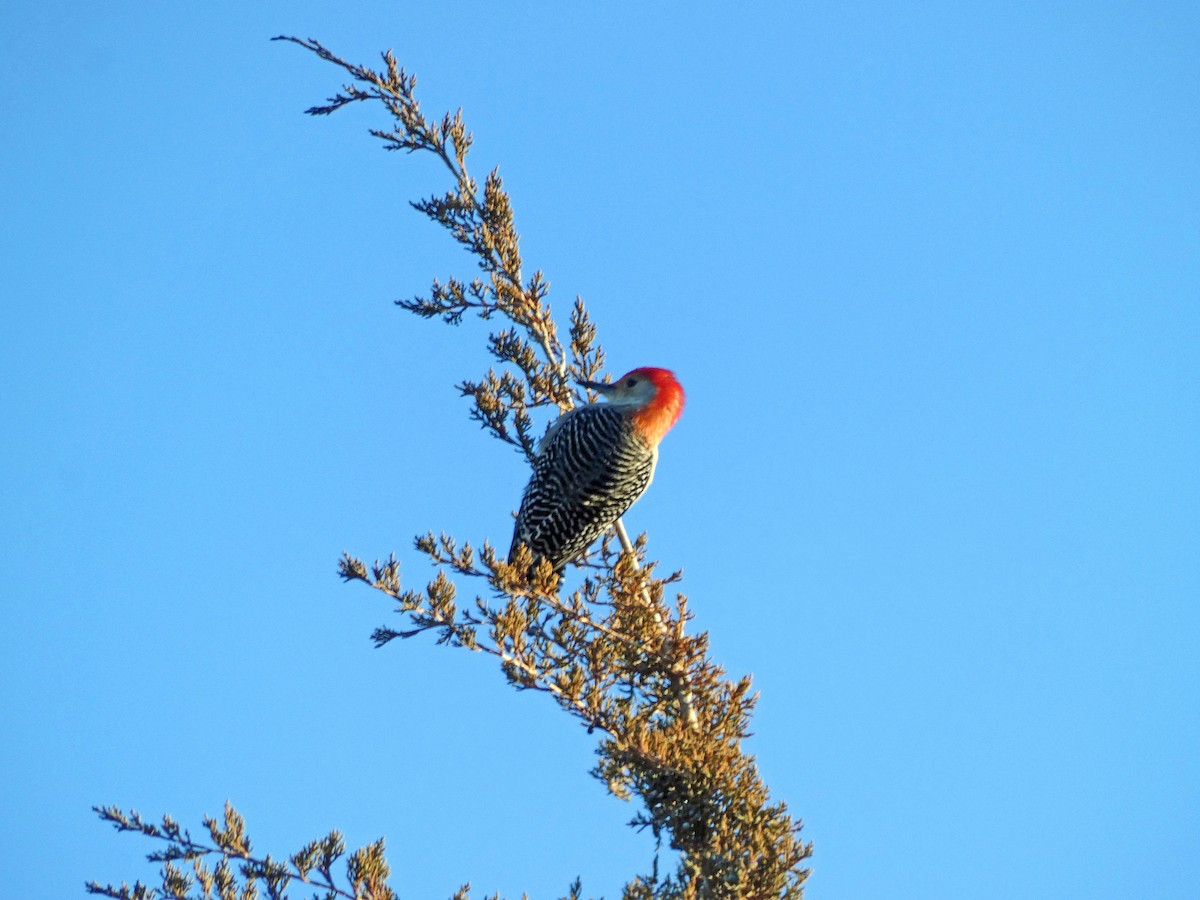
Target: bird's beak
[{"x": 595, "y": 386}]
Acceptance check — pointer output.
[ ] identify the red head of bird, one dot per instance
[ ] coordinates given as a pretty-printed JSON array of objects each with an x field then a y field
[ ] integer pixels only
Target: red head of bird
[{"x": 652, "y": 398}]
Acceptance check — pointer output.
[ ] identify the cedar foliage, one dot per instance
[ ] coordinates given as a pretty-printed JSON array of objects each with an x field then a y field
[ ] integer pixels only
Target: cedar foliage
[{"x": 613, "y": 653}]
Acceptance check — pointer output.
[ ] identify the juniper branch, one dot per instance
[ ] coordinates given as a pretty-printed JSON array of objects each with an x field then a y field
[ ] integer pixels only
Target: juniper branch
[
  {"x": 697, "y": 784},
  {"x": 312, "y": 865}
]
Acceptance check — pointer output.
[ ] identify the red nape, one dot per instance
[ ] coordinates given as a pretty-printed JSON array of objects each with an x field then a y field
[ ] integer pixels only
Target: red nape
[{"x": 657, "y": 417}]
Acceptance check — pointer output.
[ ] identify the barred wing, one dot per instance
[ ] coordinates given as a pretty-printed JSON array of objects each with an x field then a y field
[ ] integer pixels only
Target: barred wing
[{"x": 591, "y": 467}]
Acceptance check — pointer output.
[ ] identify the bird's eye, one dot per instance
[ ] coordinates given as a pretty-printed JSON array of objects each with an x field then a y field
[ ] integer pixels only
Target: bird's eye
[{"x": 631, "y": 382}]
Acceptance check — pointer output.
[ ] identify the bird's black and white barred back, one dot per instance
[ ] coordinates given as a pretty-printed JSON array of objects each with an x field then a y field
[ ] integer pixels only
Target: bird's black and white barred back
[
  {"x": 590, "y": 468},
  {"x": 593, "y": 463}
]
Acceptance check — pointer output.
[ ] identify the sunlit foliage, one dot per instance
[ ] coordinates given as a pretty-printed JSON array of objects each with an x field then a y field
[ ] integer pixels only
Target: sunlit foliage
[{"x": 614, "y": 652}]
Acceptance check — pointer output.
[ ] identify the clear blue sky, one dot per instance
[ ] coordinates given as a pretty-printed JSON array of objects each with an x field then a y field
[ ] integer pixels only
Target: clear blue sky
[{"x": 929, "y": 272}]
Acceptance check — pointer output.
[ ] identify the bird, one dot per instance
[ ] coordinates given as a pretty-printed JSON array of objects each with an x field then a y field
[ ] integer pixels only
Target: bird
[{"x": 594, "y": 462}]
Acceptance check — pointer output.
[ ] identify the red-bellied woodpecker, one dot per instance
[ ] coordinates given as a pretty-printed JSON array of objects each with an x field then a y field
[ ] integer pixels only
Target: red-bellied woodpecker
[{"x": 594, "y": 462}]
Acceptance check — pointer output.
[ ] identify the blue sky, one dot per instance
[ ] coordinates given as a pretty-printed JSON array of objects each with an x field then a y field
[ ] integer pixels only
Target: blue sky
[{"x": 929, "y": 273}]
